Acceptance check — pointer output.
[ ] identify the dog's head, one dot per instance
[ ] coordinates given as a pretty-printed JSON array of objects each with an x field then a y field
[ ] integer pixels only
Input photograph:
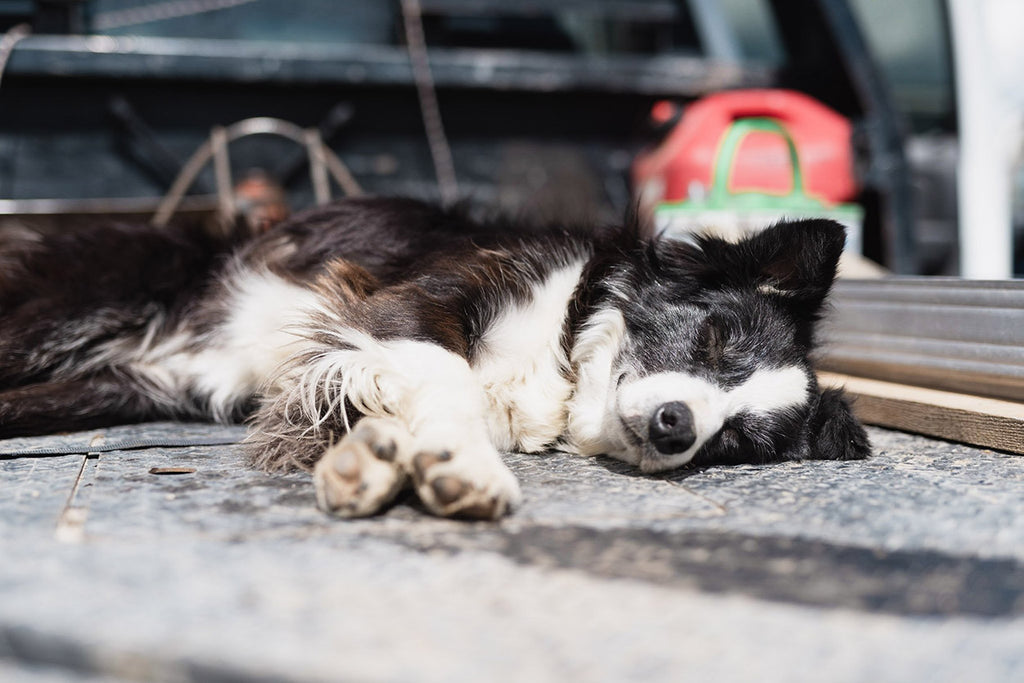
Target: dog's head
[{"x": 699, "y": 351}]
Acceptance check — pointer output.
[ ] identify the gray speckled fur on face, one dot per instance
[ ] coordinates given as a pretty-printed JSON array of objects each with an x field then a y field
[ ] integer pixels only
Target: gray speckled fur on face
[{"x": 717, "y": 313}]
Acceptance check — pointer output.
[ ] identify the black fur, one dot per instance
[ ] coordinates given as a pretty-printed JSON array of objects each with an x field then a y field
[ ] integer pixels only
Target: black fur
[{"x": 62, "y": 293}]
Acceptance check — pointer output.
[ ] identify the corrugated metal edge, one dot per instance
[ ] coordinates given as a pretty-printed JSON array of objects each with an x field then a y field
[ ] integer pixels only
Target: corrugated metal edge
[{"x": 941, "y": 333}]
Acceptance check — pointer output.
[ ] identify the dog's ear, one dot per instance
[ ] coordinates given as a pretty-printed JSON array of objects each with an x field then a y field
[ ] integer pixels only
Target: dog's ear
[
  {"x": 796, "y": 260},
  {"x": 834, "y": 432}
]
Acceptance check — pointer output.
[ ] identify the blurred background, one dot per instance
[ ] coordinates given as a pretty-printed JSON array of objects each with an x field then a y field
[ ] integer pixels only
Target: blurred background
[{"x": 903, "y": 119}]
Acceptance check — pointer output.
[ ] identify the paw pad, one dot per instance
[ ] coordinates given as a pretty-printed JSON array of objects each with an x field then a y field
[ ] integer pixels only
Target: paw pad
[
  {"x": 447, "y": 490},
  {"x": 352, "y": 482},
  {"x": 385, "y": 450}
]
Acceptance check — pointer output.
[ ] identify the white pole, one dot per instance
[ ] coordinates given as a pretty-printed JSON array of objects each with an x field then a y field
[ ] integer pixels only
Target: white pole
[{"x": 987, "y": 147}]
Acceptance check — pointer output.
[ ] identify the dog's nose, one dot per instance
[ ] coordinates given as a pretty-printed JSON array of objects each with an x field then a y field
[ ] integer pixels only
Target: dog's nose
[{"x": 671, "y": 428}]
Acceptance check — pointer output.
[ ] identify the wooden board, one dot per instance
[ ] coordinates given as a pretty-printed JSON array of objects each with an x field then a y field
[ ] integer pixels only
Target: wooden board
[{"x": 976, "y": 420}]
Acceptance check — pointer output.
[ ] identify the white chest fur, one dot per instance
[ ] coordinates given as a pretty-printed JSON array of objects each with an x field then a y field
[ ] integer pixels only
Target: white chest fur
[{"x": 522, "y": 366}]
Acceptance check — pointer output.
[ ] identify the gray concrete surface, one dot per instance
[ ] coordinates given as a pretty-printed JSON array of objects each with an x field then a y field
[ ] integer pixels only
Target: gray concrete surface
[{"x": 906, "y": 567}]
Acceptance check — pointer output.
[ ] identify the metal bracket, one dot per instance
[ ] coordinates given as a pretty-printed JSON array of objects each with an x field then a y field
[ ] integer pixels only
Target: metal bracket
[{"x": 322, "y": 160}]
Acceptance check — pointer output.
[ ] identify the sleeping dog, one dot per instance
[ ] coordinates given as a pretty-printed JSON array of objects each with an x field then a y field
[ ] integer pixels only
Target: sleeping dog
[{"x": 385, "y": 343}]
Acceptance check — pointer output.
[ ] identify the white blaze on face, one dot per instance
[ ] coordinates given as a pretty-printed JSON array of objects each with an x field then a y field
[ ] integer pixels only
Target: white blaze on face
[{"x": 762, "y": 393}]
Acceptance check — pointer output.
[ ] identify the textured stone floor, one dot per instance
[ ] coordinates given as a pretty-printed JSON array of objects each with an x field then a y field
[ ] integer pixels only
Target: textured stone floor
[{"x": 907, "y": 567}]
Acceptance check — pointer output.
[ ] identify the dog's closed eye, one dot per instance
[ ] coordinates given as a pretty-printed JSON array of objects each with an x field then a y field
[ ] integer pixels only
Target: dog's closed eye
[{"x": 712, "y": 341}]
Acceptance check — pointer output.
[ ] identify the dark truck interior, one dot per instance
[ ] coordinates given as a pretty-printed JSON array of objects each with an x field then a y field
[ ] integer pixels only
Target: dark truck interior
[{"x": 544, "y": 103}]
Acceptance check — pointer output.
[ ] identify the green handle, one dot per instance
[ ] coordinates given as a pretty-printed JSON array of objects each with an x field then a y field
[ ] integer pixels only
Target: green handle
[{"x": 730, "y": 145}]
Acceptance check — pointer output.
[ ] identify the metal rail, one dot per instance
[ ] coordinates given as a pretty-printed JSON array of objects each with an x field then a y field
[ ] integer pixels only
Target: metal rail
[
  {"x": 250, "y": 61},
  {"x": 622, "y": 10}
]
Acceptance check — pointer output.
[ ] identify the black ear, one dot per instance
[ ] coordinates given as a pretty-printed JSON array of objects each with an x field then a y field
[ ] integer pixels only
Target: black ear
[
  {"x": 835, "y": 434},
  {"x": 796, "y": 259}
]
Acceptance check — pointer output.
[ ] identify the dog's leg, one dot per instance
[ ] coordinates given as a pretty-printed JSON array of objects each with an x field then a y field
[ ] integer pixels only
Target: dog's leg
[
  {"x": 453, "y": 464},
  {"x": 423, "y": 422}
]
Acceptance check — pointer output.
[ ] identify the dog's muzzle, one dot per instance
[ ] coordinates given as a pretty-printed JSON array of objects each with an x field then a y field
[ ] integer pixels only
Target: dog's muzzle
[
  {"x": 666, "y": 418},
  {"x": 671, "y": 429}
]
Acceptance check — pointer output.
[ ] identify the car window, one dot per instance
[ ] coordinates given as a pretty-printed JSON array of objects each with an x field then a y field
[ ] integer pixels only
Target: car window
[{"x": 911, "y": 41}]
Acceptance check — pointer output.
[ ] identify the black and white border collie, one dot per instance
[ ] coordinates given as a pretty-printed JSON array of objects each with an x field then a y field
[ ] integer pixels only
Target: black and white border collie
[{"x": 388, "y": 342}]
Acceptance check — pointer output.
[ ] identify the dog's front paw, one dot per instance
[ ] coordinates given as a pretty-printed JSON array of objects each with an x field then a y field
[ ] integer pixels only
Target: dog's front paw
[
  {"x": 360, "y": 475},
  {"x": 467, "y": 484}
]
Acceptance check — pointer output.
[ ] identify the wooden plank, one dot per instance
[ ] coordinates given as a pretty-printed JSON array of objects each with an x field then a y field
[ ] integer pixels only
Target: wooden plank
[{"x": 976, "y": 420}]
